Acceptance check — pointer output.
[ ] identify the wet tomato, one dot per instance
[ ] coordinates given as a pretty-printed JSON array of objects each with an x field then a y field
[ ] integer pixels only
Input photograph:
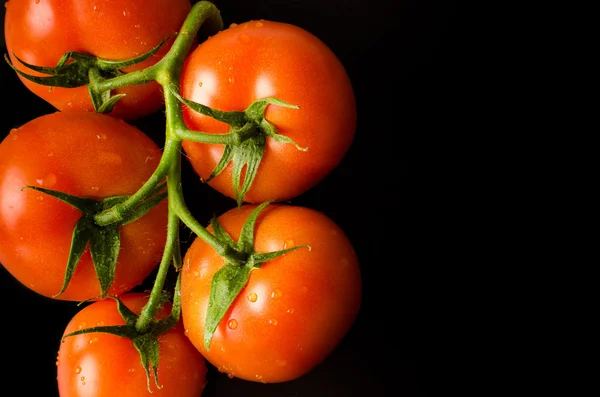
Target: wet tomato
[
  {"x": 294, "y": 310},
  {"x": 86, "y": 155},
  {"x": 260, "y": 59}
]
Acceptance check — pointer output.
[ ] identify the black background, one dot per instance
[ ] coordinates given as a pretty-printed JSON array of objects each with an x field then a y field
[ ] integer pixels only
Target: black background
[{"x": 401, "y": 59}]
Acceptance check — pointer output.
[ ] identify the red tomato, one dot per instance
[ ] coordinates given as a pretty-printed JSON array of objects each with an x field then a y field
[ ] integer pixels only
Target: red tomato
[
  {"x": 260, "y": 59},
  {"x": 105, "y": 365},
  {"x": 40, "y": 31},
  {"x": 293, "y": 311},
  {"x": 83, "y": 154}
]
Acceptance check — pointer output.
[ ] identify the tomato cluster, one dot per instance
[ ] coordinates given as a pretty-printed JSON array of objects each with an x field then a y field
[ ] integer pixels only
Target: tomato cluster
[{"x": 90, "y": 205}]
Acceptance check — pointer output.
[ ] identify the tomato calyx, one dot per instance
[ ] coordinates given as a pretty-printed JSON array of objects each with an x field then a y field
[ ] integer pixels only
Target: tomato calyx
[
  {"x": 76, "y": 69},
  {"x": 245, "y": 142},
  {"x": 233, "y": 276},
  {"x": 104, "y": 241},
  {"x": 145, "y": 342}
]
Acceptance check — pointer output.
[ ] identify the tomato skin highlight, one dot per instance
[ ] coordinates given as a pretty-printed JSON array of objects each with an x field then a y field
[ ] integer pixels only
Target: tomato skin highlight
[
  {"x": 295, "y": 309},
  {"x": 260, "y": 59},
  {"x": 41, "y": 32},
  {"x": 104, "y": 365},
  {"x": 82, "y": 154}
]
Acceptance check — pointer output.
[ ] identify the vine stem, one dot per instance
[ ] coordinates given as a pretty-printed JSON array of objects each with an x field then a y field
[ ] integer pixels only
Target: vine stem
[{"x": 167, "y": 72}]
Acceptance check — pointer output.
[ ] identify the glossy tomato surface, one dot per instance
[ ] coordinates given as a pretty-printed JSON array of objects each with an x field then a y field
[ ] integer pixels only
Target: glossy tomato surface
[
  {"x": 294, "y": 310},
  {"x": 40, "y": 32},
  {"x": 260, "y": 59},
  {"x": 105, "y": 365},
  {"x": 82, "y": 154}
]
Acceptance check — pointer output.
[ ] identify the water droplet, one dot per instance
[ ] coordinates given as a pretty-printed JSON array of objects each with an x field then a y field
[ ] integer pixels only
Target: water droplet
[
  {"x": 281, "y": 363},
  {"x": 100, "y": 323},
  {"x": 230, "y": 375},
  {"x": 109, "y": 158},
  {"x": 289, "y": 243},
  {"x": 199, "y": 84},
  {"x": 125, "y": 13},
  {"x": 93, "y": 340},
  {"x": 273, "y": 321},
  {"x": 344, "y": 261},
  {"x": 101, "y": 137},
  {"x": 51, "y": 154},
  {"x": 187, "y": 331},
  {"x": 131, "y": 370},
  {"x": 78, "y": 370},
  {"x": 252, "y": 297},
  {"x": 196, "y": 273},
  {"x": 96, "y": 188},
  {"x": 305, "y": 289},
  {"x": 276, "y": 294},
  {"x": 232, "y": 79},
  {"x": 258, "y": 377},
  {"x": 244, "y": 38},
  {"x": 258, "y": 24},
  {"x": 232, "y": 324},
  {"x": 291, "y": 310},
  {"x": 137, "y": 26},
  {"x": 233, "y": 25},
  {"x": 48, "y": 181},
  {"x": 95, "y": 6},
  {"x": 40, "y": 198},
  {"x": 82, "y": 380},
  {"x": 37, "y": 1},
  {"x": 57, "y": 363}
]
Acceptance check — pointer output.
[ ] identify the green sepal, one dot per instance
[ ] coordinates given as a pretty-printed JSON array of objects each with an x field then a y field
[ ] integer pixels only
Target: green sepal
[
  {"x": 84, "y": 70},
  {"x": 250, "y": 129},
  {"x": 81, "y": 203},
  {"x": 64, "y": 75},
  {"x": 221, "y": 234},
  {"x": 82, "y": 234},
  {"x": 230, "y": 279},
  {"x": 225, "y": 286},
  {"x": 104, "y": 241},
  {"x": 247, "y": 155},
  {"x": 147, "y": 347},
  {"x": 146, "y": 343},
  {"x": 233, "y": 118}
]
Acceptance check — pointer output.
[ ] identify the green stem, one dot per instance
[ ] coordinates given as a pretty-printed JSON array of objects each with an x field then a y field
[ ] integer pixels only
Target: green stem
[
  {"x": 149, "y": 310},
  {"x": 202, "y": 137},
  {"x": 121, "y": 211},
  {"x": 167, "y": 72},
  {"x": 134, "y": 78},
  {"x": 183, "y": 212}
]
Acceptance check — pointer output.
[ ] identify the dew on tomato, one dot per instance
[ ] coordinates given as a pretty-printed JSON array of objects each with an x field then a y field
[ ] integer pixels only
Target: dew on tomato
[
  {"x": 61, "y": 151},
  {"x": 260, "y": 59},
  {"x": 294, "y": 310}
]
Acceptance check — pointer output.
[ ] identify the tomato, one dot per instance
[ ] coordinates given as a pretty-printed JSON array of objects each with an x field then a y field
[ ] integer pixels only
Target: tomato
[
  {"x": 104, "y": 365},
  {"x": 260, "y": 59},
  {"x": 293, "y": 311},
  {"x": 82, "y": 154},
  {"x": 41, "y": 31}
]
